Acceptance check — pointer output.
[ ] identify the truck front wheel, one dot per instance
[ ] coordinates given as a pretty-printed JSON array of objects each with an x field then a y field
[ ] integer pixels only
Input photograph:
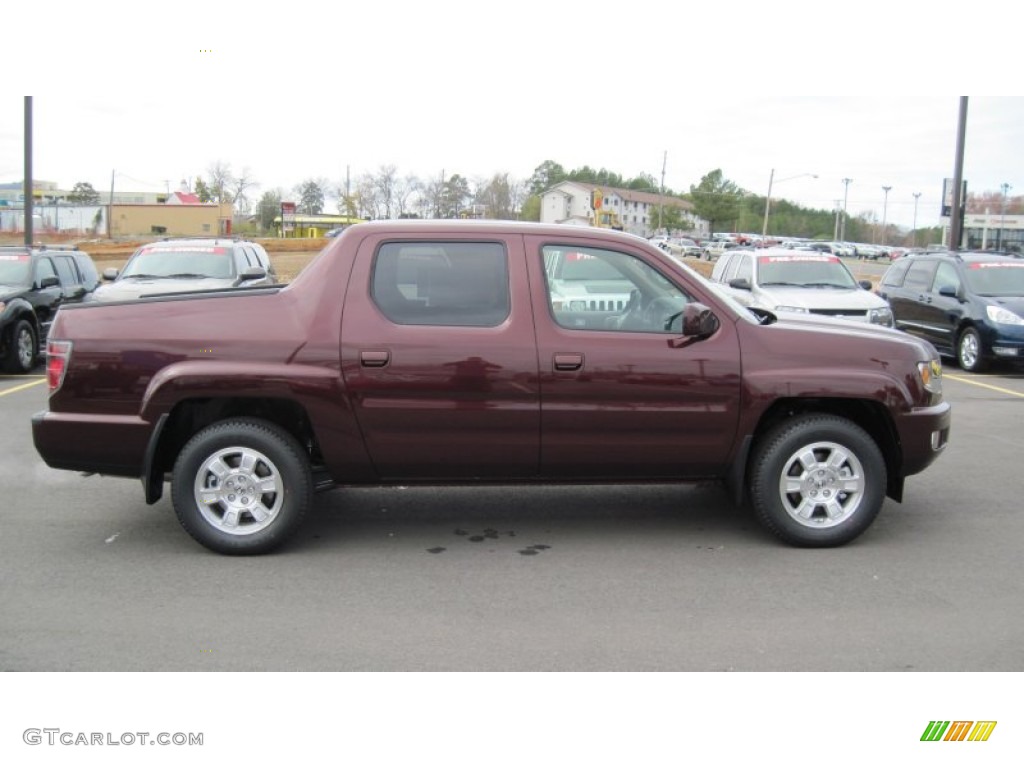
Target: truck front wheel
[
  {"x": 22, "y": 348},
  {"x": 817, "y": 481},
  {"x": 241, "y": 487}
]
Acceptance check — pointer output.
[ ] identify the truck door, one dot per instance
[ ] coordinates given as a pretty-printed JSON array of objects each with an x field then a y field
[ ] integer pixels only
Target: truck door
[
  {"x": 622, "y": 394},
  {"x": 439, "y": 357}
]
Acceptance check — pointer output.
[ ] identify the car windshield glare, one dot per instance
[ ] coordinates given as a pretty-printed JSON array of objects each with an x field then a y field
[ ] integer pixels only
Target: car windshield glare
[
  {"x": 170, "y": 262},
  {"x": 14, "y": 269},
  {"x": 812, "y": 271},
  {"x": 996, "y": 278}
]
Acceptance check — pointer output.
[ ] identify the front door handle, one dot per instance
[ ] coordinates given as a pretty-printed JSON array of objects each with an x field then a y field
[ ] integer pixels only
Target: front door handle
[
  {"x": 374, "y": 358},
  {"x": 568, "y": 362}
]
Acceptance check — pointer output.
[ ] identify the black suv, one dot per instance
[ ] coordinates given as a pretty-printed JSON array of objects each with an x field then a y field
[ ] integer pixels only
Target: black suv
[
  {"x": 34, "y": 282},
  {"x": 188, "y": 264},
  {"x": 970, "y": 305}
]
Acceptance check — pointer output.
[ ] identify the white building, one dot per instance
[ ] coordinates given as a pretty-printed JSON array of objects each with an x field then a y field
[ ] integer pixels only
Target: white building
[{"x": 569, "y": 202}]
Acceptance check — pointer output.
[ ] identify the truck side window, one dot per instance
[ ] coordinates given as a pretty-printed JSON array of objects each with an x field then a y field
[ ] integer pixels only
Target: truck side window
[
  {"x": 456, "y": 284},
  {"x": 597, "y": 289}
]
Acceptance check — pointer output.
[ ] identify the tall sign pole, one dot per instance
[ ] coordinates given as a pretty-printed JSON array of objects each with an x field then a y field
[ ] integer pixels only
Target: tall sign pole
[
  {"x": 956, "y": 219},
  {"x": 28, "y": 170}
]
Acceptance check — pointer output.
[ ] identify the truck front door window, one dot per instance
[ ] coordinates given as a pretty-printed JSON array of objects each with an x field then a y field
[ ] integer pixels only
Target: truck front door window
[{"x": 597, "y": 289}]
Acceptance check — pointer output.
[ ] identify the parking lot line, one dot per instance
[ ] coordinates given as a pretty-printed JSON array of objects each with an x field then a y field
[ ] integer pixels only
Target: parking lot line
[
  {"x": 20, "y": 387},
  {"x": 977, "y": 383}
]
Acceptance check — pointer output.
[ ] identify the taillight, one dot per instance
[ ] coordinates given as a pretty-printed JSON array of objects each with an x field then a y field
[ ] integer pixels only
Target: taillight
[{"x": 58, "y": 353}]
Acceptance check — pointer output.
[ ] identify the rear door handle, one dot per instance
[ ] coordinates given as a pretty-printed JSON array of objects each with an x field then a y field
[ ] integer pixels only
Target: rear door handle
[
  {"x": 568, "y": 362},
  {"x": 374, "y": 358}
]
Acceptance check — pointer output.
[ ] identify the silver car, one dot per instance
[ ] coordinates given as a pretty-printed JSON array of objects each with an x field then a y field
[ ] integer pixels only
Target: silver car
[
  {"x": 799, "y": 281},
  {"x": 188, "y": 264}
]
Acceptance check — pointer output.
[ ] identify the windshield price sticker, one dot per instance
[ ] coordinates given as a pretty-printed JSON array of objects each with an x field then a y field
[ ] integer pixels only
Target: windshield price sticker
[
  {"x": 996, "y": 265},
  {"x": 172, "y": 249},
  {"x": 19, "y": 257},
  {"x": 778, "y": 259}
]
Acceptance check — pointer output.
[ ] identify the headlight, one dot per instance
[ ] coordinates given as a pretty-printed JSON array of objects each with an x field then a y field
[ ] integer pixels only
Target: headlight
[
  {"x": 931, "y": 376},
  {"x": 880, "y": 316},
  {"x": 783, "y": 308},
  {"x": 1004, "y": 316}
]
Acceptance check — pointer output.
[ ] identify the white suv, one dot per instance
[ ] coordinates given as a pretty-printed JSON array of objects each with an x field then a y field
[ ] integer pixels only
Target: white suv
[{"x": 799, "y": 281}]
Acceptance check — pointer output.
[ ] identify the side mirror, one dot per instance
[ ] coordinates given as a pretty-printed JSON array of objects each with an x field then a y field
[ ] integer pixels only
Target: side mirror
[
  {"x": 699, "y": 321},
  {"x": 948, "y": 290},
  {"x": 741, "y": 283},
  {"x": 866, "y": 285},
  {"x": 109, "y": 273},
  {"x": 49, "y": 281},
  {"x": 250, "y": 273}
]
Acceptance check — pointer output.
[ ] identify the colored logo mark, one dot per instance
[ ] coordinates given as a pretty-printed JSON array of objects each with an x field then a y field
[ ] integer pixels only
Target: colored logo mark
[{"x": 958, "y": 730}]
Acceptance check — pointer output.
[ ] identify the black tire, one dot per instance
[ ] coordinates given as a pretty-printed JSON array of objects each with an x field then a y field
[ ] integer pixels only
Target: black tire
[
  {"x": 824, "y": 504},
  {"x": 241, "y": 487},
  {"x": 22, "y": 348},
  {"x": 970, "y": 351}
]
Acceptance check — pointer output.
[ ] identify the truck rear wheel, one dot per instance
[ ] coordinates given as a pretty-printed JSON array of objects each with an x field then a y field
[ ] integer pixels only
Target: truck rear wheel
[
  {"x": 817, "y": 481},
  {"x": 241, "y": 487}
]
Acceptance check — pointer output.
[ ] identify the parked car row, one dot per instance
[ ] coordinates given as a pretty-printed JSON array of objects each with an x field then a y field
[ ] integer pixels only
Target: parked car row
[
  {"x": 969, "y": 305},
  {"x": 36, "y": 281}
]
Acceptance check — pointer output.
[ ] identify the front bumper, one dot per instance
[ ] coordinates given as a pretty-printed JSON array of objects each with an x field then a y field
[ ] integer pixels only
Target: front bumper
[{"x": 924, "y": 434}]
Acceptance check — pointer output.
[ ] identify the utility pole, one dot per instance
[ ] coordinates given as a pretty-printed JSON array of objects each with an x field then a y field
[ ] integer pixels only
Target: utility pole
[
  {"x": 916, "y": 195},
  {"x": 842, "y": 226},
  {"x": 110, "y": 209},
  {"x": 27, "y": 182},
  {"x": 1002, "y": 217},
  {"x": 885, "y": 211},
  {"x": 955, "y": 217},
  {"x": 767, "y": 203},
  {"x": 661, "y": 201},
  {"x": 835, "y": 233}
]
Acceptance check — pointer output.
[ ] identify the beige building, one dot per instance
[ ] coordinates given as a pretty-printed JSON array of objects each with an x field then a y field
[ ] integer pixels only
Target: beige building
[
  {"x": 205, "y": 219},
  {"x": 569, "y": 202}
]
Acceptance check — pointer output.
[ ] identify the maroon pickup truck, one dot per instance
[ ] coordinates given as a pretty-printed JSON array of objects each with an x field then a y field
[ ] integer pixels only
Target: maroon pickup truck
[{"x": 486, "y": 352}]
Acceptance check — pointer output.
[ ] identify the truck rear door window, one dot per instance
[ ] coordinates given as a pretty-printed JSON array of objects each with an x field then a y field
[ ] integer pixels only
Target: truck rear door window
[{"x": 457, "y": 284}]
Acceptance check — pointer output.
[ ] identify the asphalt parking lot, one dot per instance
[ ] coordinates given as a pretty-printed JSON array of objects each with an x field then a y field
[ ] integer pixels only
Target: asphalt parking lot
[{"x": 569, "y": 578}]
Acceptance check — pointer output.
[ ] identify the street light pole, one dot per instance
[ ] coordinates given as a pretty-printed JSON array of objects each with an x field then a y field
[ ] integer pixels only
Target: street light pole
[
  {"x": 885, "y": 211},
  {"x": 767, "y": 203},
  {"x": 916, "y": 195},
  {"x": 1002, "y": 217},
  {"x": 842, "y": 227},
  {"x": 768, "y": 199}
]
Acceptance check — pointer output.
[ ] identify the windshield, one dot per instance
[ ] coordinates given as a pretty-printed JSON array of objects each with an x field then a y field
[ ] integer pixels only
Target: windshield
[
  {"x": 14, "y": 268},
  {"x": 804, "y": 271},
  {"x": 996, "y": 278},
  {"x": 175, "y": 261}
]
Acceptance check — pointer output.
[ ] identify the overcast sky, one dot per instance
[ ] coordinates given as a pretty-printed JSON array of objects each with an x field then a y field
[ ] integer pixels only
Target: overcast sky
[{"x": 461, "y": 87}]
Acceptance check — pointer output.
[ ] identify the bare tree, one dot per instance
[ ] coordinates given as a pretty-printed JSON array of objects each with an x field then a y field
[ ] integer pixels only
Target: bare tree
[
  {"x": 368, "y": 196},
  {"x": 220, "y": 181},
  {"x": 497, "y": 197},
  {"x": 241, "y": 184},
  {"x": 432, "y": 197},
  {"x": 406, "y": 189}
]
